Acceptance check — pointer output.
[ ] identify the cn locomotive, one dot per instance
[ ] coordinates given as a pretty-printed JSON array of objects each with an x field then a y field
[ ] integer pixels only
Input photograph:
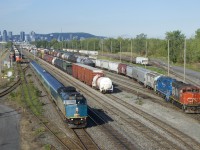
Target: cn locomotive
[
  {"x": 172, "y": 90},
  {"x": 71, "y": 103}
]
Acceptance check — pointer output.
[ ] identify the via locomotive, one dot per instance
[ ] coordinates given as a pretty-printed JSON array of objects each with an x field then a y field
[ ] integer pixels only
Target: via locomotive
[{"x": 71, "y": 103}]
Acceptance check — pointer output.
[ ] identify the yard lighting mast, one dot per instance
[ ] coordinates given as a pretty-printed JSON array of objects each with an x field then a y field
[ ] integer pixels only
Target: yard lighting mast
[
  {"x": 168, "y": 58},
  {"x": 120, "y": 51},
  {"x": 131, "y": 51},
  {"x": 184, "y": 59}
]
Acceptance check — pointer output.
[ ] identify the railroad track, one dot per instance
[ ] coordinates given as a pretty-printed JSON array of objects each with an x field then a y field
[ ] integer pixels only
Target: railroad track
[
  {"x": 186, "y": 141},
  {"x": 129, "y": 85},
  {"x": 133, "y": 87},
  {"x": 65, "y": 141},
  {"x": 85, "y": 139},
  {"x": 11, "y": 88},
  {"x": 162, "y": 142},
  {"x": 174, "y": 133},
  {"x": 122, "y": 144},
  {"x": 134, "y": 123}
]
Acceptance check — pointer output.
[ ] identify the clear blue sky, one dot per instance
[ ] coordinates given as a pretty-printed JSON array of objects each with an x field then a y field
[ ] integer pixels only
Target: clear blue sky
[{"x": 111, "y": 18}]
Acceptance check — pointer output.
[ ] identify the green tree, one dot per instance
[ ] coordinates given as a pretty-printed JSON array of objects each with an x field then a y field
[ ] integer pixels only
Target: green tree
[
  {"x": 176, "y": 45},
  {"x": 140, "y": 43}
]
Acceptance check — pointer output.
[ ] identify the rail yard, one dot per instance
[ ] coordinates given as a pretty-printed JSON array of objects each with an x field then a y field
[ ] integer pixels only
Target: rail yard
[{"x": 131, "y": 116}]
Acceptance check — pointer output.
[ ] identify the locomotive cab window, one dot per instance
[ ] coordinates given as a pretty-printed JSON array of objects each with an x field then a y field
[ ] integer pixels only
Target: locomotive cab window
[{"x": 80, "y": 100}]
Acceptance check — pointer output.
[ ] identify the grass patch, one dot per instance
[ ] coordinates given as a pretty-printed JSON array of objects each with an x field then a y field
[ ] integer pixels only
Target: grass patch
[
  {"x": 30, "y": 96},
  {"x": 139, "y": 101},
  {"x": 39, "y": 131},
  {"x": 47, "y": 147}
]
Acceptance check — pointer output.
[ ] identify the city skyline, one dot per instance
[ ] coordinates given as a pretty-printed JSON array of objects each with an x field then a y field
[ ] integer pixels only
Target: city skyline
[{"x": 103, "y": 18}]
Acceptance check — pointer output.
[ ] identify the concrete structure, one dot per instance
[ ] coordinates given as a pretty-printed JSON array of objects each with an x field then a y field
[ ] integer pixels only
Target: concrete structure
[
  {"x": 22, "y": 36},
  {"x": 5, "y": 37}
]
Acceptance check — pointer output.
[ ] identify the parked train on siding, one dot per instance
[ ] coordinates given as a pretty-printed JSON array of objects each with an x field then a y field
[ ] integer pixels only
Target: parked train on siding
[
  {"x": 68, "y": 56},
  {"x": 92, "y": 76},
  {"x": 187, "y": 95},
  {"x": 71, "y": 103},
  {"x": 87, "y": 74}
]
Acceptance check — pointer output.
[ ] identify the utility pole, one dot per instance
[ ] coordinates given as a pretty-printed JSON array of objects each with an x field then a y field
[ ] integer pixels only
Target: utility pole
[
  {"x": 110, "y": 47},
  {"x": 168, "y": 58},
  {"x": 120, "y": 51},
  {"x": 184, "y": 59},
  {"x": 102, "y": 47},
  {"x": 146, "y": 50},
  {"x": 131, "y": 51},
  {"x": 87, "y": 45}
]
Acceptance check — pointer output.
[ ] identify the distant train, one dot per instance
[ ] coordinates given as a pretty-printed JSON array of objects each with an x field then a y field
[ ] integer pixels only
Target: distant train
[
  {"x": 17, "y": 55},
  {"x": 187, "y": 95},
  {"x": 101, "y": 83},
  {"x": 68, "y": 56},
  {"x": 87, "y": 74},
  {"x": 71, "y": 103}
]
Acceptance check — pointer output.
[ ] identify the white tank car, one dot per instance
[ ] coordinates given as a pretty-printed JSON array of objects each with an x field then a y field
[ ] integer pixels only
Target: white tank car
[{"x": 104, "y": 84}]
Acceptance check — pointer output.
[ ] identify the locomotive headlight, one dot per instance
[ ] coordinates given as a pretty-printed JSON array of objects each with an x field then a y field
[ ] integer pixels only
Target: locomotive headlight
[{"x": 76, "y": 110}]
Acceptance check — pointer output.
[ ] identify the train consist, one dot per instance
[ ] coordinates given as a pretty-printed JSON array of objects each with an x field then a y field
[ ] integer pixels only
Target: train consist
[
  {"x": 71, "y": 103},
  {"x": 186, "y": 95},
  {"x": 68, "y": 56},
  {"x": 92, "y": 76},
  {"x": 134, "y": 60},
  {"x": 15, "y": 55},
  {"x": 87, "y": 74}
]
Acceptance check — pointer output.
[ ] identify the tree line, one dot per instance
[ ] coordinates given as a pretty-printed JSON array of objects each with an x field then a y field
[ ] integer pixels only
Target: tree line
[{"x": 141, "y": 45}]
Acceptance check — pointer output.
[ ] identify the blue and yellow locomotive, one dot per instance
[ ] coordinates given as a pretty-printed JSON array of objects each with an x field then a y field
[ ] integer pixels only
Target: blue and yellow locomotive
[{"x": 71, "y": 103}]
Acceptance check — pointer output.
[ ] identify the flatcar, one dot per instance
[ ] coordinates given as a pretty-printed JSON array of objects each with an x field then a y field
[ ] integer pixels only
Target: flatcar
[{"x": 71, "y": 103}]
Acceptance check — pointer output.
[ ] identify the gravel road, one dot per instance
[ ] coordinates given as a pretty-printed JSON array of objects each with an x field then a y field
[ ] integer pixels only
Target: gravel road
[{"x": 9, "y": 129}]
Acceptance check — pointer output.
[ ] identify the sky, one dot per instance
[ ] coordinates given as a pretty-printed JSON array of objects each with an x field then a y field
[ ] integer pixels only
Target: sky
[{"x": 110, "y": 18}]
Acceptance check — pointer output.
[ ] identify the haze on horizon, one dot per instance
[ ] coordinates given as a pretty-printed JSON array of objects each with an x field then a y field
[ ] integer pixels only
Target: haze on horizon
[{"x": 111, "y": 18}]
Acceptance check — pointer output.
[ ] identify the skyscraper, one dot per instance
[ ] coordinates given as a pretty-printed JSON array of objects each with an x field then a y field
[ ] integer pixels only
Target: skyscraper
[
  {"x": 10, "y": 36},
  {"x": 32, "y": 36},
  {"x": 5, "y": 37},
  {"x": 22, "y": 36}
]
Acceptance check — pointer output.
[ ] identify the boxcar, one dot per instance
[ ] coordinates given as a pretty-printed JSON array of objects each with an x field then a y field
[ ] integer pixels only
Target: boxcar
[
  {"x": 122, "y": 68},
  {"x": 129, "y": 71},
  {"x": 113, "y": 66},
  {"x": 151, "y": 78},
  {"x": 98, "y": 63},
  {"x": 104, "y": 64},
  {"x": 141, "y": 73},
  {"x": 85, "y": 73}
]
